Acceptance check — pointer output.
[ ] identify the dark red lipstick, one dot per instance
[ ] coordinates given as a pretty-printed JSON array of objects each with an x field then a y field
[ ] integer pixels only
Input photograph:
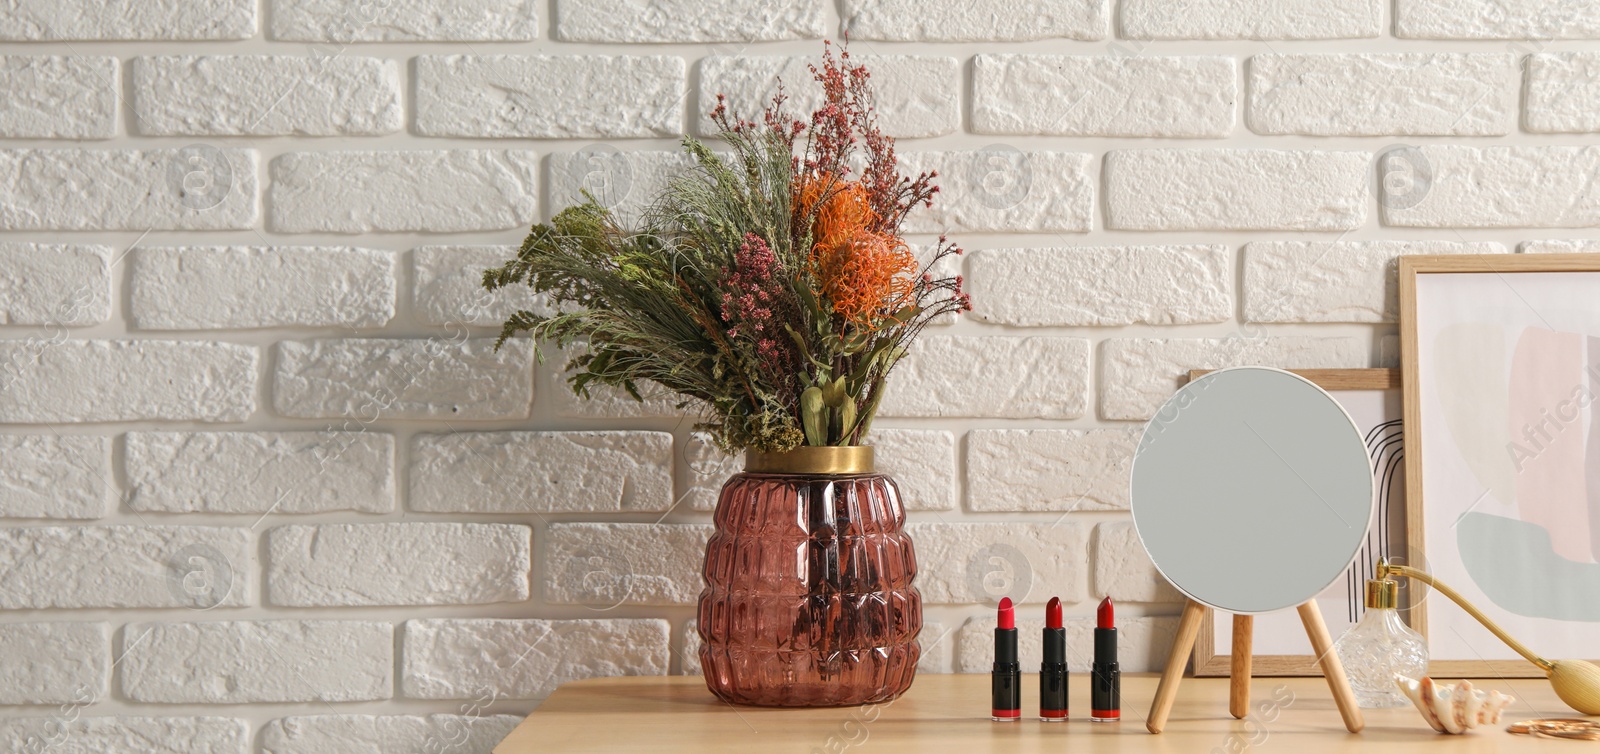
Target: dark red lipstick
[
  {"x": 1105, "y": 682},
  {"x": 1007, "y": 680},
  {"x": 1053, "y": 672}
]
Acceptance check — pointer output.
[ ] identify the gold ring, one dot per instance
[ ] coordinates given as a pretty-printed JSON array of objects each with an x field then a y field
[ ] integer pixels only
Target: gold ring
[{"x": 1567, "y": 728}]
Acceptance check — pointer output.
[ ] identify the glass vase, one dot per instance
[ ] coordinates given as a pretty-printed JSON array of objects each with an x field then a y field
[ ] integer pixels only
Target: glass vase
[{"x": 808, "y": 599}]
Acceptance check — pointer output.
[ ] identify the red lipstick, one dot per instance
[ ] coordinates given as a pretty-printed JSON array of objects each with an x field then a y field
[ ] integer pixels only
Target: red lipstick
[
  {"x": 1053, "y": 672},
  {"x": 1105, "y": 683},
  {"x": 1006, "y": 685}
]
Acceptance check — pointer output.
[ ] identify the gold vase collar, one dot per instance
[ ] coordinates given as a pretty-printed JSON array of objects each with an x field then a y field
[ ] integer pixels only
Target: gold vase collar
[{"x": 812, "y": 459}]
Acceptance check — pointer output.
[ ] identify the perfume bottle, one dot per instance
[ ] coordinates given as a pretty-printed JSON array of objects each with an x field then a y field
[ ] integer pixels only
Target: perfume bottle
[{"x": 1379, "y": 647}]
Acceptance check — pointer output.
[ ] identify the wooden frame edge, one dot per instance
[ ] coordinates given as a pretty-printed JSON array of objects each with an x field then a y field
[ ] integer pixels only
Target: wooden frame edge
[{"x": 1411, "y": 411}]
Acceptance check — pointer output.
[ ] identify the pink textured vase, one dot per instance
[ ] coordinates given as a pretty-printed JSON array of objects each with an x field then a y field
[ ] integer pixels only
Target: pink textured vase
[{"x": 808, "y": 599}]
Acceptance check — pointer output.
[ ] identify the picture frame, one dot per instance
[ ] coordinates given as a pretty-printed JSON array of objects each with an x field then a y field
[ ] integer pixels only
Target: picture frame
[
  {"x": 1373, "y": 398},
  {"x": 1485, "y": 342}
]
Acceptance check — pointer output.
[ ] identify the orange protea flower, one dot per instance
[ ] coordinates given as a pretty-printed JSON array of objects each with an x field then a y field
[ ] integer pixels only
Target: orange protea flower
[
  {"x": 846, "y": 214},
  {"x": 865, "y": 276},
  {"x": 862, "y": 272}
]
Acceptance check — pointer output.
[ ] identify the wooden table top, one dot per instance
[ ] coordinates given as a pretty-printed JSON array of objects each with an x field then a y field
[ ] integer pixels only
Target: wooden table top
[{"x": 951, "y": 713}]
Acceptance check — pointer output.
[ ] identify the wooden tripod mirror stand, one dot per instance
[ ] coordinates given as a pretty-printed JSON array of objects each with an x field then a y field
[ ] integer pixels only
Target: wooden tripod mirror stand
[
  {"x": 1239, "y": 672},
  {"x": 1251, "y": 492}
]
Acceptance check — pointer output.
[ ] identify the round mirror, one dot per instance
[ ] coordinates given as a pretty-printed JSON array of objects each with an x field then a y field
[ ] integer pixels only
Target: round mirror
[{"x": 1251, "y": 490}]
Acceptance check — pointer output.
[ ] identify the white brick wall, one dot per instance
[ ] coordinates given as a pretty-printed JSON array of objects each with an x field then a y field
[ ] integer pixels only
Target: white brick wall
[
  {"x": 259, "y": 95},
  {"x": 1188, "y": 97},
  {"x": 239, "y": 662},
  {"x": 59, "y": 97},
  {"x": 265, "y": 486},
  {"x": 510, "y": 96},
  {"x": 339, "y": 565},
  {"x": 1460, "y": 94},
  {"x": 206, "y": 288},
  {"x": 916, "y": 96}
]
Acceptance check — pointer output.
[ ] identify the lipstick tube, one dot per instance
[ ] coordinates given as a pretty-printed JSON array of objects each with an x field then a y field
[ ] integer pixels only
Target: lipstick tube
[
  {"x": 1006, "y": 686},
  {"x": 1105, "y": 684},
  {"x": 1053, "y": 671}
]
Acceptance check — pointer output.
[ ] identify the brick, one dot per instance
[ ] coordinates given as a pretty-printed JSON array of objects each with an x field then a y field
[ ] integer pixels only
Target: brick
[
  {"x": 197, "y": 187},
  {"x": 1251, "y": 19},
  {"x": 244, "y": 662},
  {"x": 63, "y": 285},
  {"x": 550, "y": 97},
  {"x": 1376, "y": 94},
  {"x": 1102, "y": 285},
  {"x": 1494, "y": 187},
  {"x": 1122, "y": 569},
  {"x": 1488, "y": 19},
  {"x": 266, "y": 95},
  {"x": 234, "y": 287},
  {"x": 959, "y": 21},
  {"x": 126, "y": 735},
  {"x": 449, "y": 287},
  {"x": 415, "y": 20},
  {"x": 1563, "y": 92},
  {"x": 338, "y": 565},
  {"x": 966, "y": 563},
  {"x": 923, "y": 464},
  {"x": 615, "y": 564},
  {"x": 54, "y": 663},
  {"x": 689, "y": 656},
  {"x": 1348, "y": 281},
  {"x": 525, "y": 659},
  {"x": 403, "y": 379},
  {"x": 1002, "y": 189},
  {"x": 708, "y": 469},
  {"x": 97, "y": 20},
  {"x": 644, "y": 21},
  {"x": 541, "y": 472},
  {"x": 915, "y": 95},
  {"x": 390, "y": 734},
  {"x": 260, "y": 472},
  {"x": 623, "y": 182},
  {"x": 1080, "y": 95},
  {"x": 1143, "y": 643},
  {"x": 936, "y": 642},
  {"x": 991, "y": 377},
  {"x": 1563, "y": 246},
  {"x": 59, "y": 96},
  {"x": 1049, "y": 469},
  {"x": 1137, "y": 375},
  {"x": 124, "y": 567},
  {"x": 55, "y": 476},
  {"x": 1235, "y": 189},
  {"x": 70, "y": 381},
  {"x": 436, "y": 191}
]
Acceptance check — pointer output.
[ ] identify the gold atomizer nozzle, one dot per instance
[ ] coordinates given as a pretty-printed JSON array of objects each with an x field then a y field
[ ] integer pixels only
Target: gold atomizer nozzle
[{"x": 1383, "y": 594}]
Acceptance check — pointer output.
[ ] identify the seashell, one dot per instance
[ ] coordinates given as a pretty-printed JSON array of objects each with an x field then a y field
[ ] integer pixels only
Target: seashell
[{"x": 1455, "y": 708}]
